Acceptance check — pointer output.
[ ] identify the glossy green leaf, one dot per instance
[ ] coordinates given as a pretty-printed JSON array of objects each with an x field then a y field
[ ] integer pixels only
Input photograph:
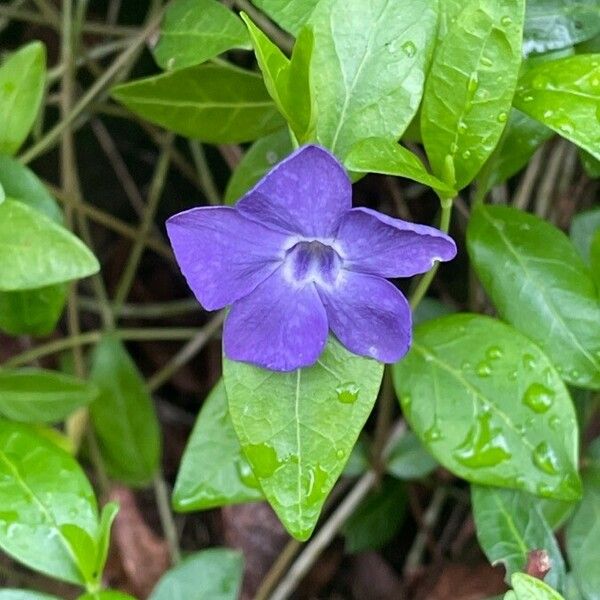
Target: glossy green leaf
[
  {"x": 409, "y": 459},
  {"x": 297, "y": 429},
  {"x": 24, "y": 595},
  {"x": 290, "y": 15},
  {"x": 377, "y": 518},
  {"x": 368, "y": 67},
  {"x": 194, "y": 31},
  {"x": 212, "y": 103},
  {"x": 22, "y": 80},
  {"x": 287, "y": 80},
  {"x": 40, "y": 396},
  {"x": 591, "y": 165},
  {"x": 509, "y": 525},
  {"x": 582, "y": 538},
  {"x": 36, "y": 252},
  {"x": 43, "y": 490},
  {"x": 527, "y": 587},
  {"x": 583, "y": 228},
  {"x": 214, "y": 574},
  {"x": 490, "y": 406},
  {"x": 564, "y": 95},
  {"x": 520, "y": 139},
  {"x": 107, "y": 517},
  {"x": 470, "y": 86},
  {"x": 378, "y": 155},
  {"x": 123, "y": 415},
  {"x": 30, "y": 312},
  {"x": 555, "y": 24},
  {"x": 541, "y": 286},
  {"x": 260, "y": 157},
  {"x": 213, "y": 470}
]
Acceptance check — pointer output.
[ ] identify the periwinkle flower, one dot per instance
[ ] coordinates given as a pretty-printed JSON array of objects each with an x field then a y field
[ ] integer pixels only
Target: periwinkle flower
[{"x": 294, "y": 260}]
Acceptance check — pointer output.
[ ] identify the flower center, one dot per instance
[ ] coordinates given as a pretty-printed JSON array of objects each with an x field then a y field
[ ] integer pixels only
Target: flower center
[{"x": 312, "y": 261}]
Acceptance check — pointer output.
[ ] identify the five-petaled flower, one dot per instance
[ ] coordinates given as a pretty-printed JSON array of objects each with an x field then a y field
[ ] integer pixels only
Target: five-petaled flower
[{"x": 294, "y": 259}]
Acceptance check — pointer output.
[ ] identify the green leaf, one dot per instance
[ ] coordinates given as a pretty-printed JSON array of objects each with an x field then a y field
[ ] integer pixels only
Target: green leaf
[
  {"x": 194, "y": 31},
  {"x": 123, "y": 415},
  {"x": 212, "y": 103},
  {"x": 22, "y": 80},
  {"x": 470, "y": 86},
  {"x": 409, "y": 459},
  {"x": 489, "y": 406},
  {"x": 287, "y": 80},
  {"x": 378, "y": 155},
  {"x": 510, "y": 524},
  {"x": 430, "y": 308},
  {"x": 520, "y": 139},
  {"x": 591, "y": 165},
  {"x": 214, "y": 574},
  {"x": 24, "y": 595},
  {"x": 107, "y": 517},
  {"x": 40, "y": 396},
  {"x": 297, "y": 429},
  {"x": 260, "y": 157},
  {"x": 368, "y": 67},
  {"x": 84, "y": 550},
  {"x": 539, "y": 285},
  {"x": 564, "y": 95},
  {"x": 30, "y": 312},
  {"x": 43, "y": 490},
  {"x": 377, "y": 518},
  {"x": 583, "y": 228},
  {"x": 288, "y": 14},
  {"x": 36, "y": 252},
  {"x": 529, "y": 588},
  {"x": 213, "y": 471},
  {"x": 582, "y": 538},
  {"x": 555, "y": 24}
]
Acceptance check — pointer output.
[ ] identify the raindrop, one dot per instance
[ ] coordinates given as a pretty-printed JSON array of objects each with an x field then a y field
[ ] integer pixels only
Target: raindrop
[
  {"x": 502, "y": 117},
  {"x": 554, "y": 423},
  {"x": 494, "y": 352},
  {"x": 575, "y": 374},
  {"x": 527, "y": 98},
  {"x": 340, "y": 454},
  {"x": 462, "y": 127},
  {"x": 347, "y": 393},
  {"x": 317, "y": 478},
  {"x": 246, "y": 474},
  {"x": 545, "y": 459},
  {"x": 466, "y": 154},
  {"x": 540, "y": 82},
  {"x": 409, "y": 49},
  {"x": 506, "y": 21},
  {"x": 466, "y": 366},
  {"x": 595, "y": 82},
  {"x": 406, "y": 401},
  {"x": 263, "y": 459},
  {"x": 473, "y": 83},
  {"x": 433, "y": 434},
  {"x": 483, "y": 369},
  {"x": 484, "y": 446},
  {"x": 513, "y": 375},
  {"x": 548, "y": 114},
  {"x": 529, "y": 361},
  {"x": 566, "y": 127},
  {"x": 538, "y": 398},
  {"x": 543, "y": 489},
  {"x": 486, "y": 62}
]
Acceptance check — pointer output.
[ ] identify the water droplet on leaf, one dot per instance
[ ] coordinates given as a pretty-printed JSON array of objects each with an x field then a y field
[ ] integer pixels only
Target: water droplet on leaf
[
  {"x": 538, "y": 398},
  {"x": 347, "y": 393},
  {"x": 246, "y": 474},
  {"x": 529, "y": 361},
  {"x": 502, "y": 117},
  {"x": 263, "y": 459},
  {"x": 433, "y": 434},
  {"x": 483, "y": 369},
  {"x": 409, "y": 49},
  {"x": 484, "y": 446},
  {"x": 545, "y": 459},
  {"x": 506, "y": 21},
  {"x": 317, "y": 478},
  {"x": 494, "y": 352}
]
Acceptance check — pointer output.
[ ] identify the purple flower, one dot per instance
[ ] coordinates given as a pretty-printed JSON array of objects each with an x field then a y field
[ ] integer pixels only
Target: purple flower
[{"x": 294, "y": 259}]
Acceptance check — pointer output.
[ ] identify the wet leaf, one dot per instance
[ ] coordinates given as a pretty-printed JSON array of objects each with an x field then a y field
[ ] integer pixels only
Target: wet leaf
[
  {"x": 213, "y": 470},
  {"x": 564, "y": 95},
  {"x": 490, "y": 406},
  {"x": 470, "y": 86},
  {"x": 36, "y": 252},
  {"x": 509, "y": 525},
  {"x": 297, "y": 429},
  {"x": 212, "y": 103},
  {"x": 44, "y": 490},
  {"x": 213, "y": 574},
  {"x": 288, "y": 14},
  {"x": 539, "y": 285},
  {"x": 377, "y": 155},
  {"x": 259, "y": 158},
  {"x": 123, "y": 415},
  {"x": 39, "y": 396},
  {"x": 194, "y": 31},
  {"x": 22, "y": 80},
  {"x": 529, "y": 588},
  {"x": 368, "y": 67}
]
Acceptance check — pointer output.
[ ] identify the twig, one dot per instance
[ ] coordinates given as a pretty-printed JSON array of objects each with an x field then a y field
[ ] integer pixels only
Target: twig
[
  {"x": 523, "y": 193},
  {"x": 204, "y": 174},
  {"x": 166, "y": 517},
  {"x": 151, "y": 310}
]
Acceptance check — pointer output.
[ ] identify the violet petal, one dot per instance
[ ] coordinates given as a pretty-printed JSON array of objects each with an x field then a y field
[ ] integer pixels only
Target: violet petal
[
  {"x": 279, "y": 326},
  {"x": 369, "y": 316},
  {"x": 377, "y": 244},
  {"x": 307, "y": 193},
  {"x": 223, "y": 255}
]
